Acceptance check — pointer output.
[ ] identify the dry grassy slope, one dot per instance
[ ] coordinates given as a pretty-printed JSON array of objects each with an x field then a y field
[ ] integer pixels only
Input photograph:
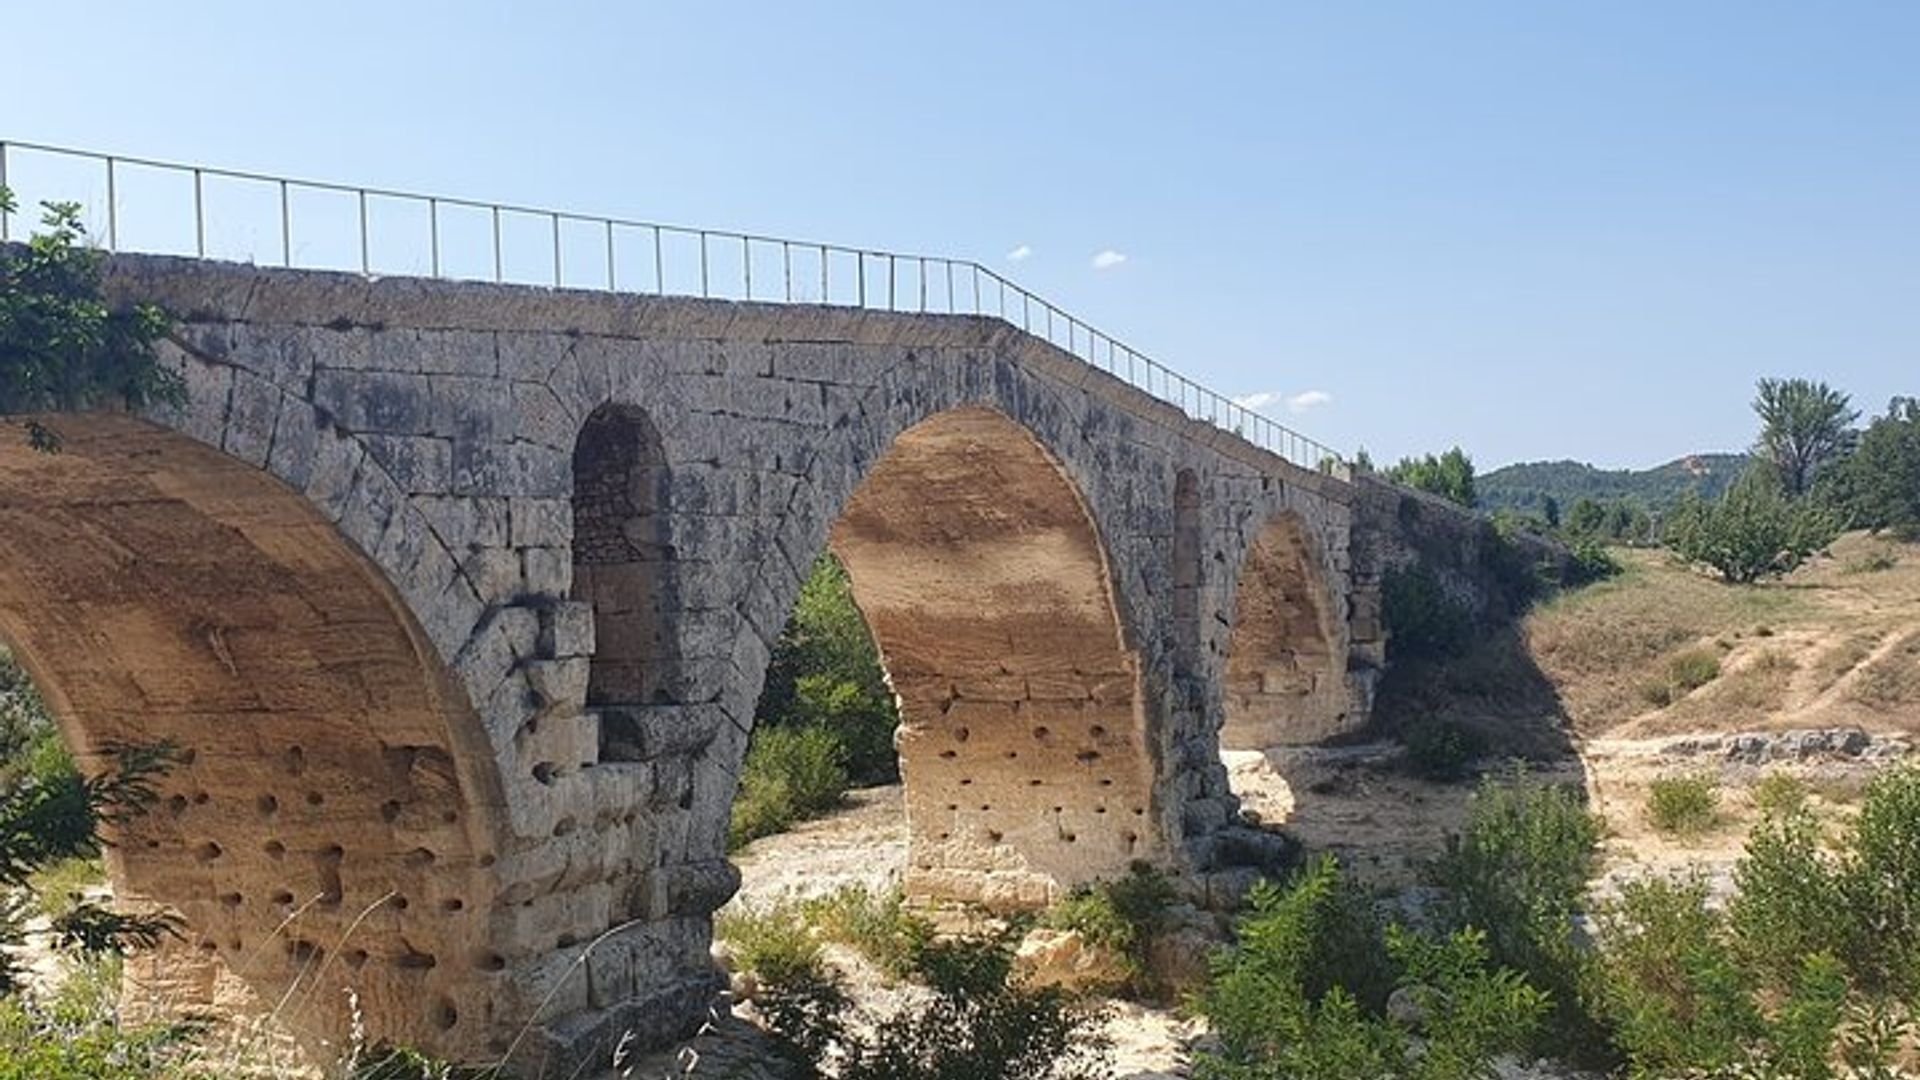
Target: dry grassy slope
[{"x": 1835, "y": 644}]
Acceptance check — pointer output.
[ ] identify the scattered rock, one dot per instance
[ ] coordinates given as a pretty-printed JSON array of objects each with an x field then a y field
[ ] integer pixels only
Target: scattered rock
[
  {"x": 1768, "y": 747},
  {"x": 1067, "y": 960}
]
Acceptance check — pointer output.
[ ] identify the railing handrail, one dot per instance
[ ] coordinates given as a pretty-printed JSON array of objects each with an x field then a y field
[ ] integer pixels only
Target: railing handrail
[{"x": 1140, "y": 370}]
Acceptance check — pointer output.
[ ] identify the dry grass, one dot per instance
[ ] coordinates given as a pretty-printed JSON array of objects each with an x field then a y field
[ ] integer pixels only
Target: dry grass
[
  {"x": 1607, "y": 647},
  {"x": 1838, "y": 662},
  {"x": 1892, "y": 680},
  {"x": 1671, "y": 650}
]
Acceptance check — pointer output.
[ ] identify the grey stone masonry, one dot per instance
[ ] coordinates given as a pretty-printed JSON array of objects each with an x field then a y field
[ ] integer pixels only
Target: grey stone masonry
[{"x": 606, "y": 606}]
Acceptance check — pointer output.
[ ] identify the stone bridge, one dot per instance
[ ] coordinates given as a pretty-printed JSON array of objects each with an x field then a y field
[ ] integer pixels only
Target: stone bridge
[{"x": 456, "y": 601}]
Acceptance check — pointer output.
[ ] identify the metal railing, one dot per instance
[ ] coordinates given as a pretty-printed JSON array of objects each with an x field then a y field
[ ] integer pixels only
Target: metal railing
[{"x": 566, "y": 249}]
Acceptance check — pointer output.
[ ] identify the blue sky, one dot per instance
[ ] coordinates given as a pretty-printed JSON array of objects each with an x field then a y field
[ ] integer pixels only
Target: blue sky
[{"x": 1536, "y": 230}]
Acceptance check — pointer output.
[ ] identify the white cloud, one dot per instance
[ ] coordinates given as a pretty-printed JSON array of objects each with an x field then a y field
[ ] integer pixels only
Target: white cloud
[
  {"x": 1310, "y": 399},
  {"x": 1020, "y": 254},
  {"x": 1108, "y": 259},
  {"x": 1257, "y": 400}
]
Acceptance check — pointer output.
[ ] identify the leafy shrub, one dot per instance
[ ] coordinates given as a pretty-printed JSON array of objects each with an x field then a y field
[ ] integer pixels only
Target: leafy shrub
[
  {"x": 1683, "y": 805},
  {"x": 1423, "y": 621},
  {"x": 38, "y": 1043},
  {"x": 975, "y": 1025},
  {"x": 66, "y": 349},
  {"x": 825, "y": 672},
  {"x": 1789, "y": 902},
  {"x": 1440, "y": 749},
  {"x": 1282, "y": 1009},
  {"x": 1590, "y": 561},
  {"x": 1780, "y": 793},
  {"x": 1684, "y": 1005},
  {"x": 774, "y": 943},
  {"x": 1123, "y": 914},
  {"x": 1519, "y": 873},
  {"x": 879, "y": 927},
  {"x": 1753, "y": 531},
  {"x": 790, "y": 775},
  {"x": 51, "y": 814},
  {"x": 1692, "y": 669},
  {"x": 1881, "y": 882}
]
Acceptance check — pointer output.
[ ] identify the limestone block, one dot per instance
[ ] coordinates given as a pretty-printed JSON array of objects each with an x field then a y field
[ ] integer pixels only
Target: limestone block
[
  {"x": 376, "y": 401},
  {"x": 251, "y": 416},
  {"x": 566, "y": 629}
]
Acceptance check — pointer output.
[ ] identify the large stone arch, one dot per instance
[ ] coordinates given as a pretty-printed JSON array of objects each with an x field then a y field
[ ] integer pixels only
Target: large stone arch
[
  {"x": 327, "y": 827},
  {"x": 1284, "y": 679},
  {"x": 1024, "y": 747}
]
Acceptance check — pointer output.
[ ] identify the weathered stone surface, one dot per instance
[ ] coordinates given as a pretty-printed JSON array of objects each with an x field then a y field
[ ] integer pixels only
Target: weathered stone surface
[
  {"x": 411, "y": 544},
  {"x": 1066, "y": 960}
]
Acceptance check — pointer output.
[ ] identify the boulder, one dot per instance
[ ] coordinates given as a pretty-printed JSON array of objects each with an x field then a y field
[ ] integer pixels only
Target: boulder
[{"x": 1066, "y": 960}]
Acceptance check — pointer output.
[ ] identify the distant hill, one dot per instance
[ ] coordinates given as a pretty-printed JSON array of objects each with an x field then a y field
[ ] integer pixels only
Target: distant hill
[{"x": 1528, "y": 485}]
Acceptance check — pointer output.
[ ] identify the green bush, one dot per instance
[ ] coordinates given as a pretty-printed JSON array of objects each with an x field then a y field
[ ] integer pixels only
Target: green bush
[
  {"x": 1780, "y": 793},
  {"x": 1519, "y": 874},
  {"x": 1790, "y": 903},
  {"x": 878, "y": 927},
  {"x": 775, "y": 943},
  {"x": 825, "y": 672},
  {"x": 790, "y": 775},
  {"x": 38, "y": 1043},
  {"x": 1880, "y": 879},
  {"x": 1692, "y": 669},
  {"x": 973, "y": 1024},
  {"x": 1440, "y": 749},
  {"x": 1281, "y": 1006},
  {"x": 1590, "y": 561},
  {"x": 1423, "y": 621},
  {"x": 64, "y": 348},
  {"x": 1123, "y": 914},
  {"x": 1753, "y": 531},
  {"x": 1685, "y": 1005},
  {"x": 1684, "y": 805}
]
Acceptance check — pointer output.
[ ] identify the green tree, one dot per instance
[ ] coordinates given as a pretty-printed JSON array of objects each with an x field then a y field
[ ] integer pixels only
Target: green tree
[
  {"x": 51, "y": 812},
  {"x": 825, "y": 670},
  {"x": 63, "y": 348},
  {"x": 1751, "y": 532},
  {"x": 1878, "y": 485},
  {"x": 1449, "y": 476},
  {"x": 1803, "y": 427}
]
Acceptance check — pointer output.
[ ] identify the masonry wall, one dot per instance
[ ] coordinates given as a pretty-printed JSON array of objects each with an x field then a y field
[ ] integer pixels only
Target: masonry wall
[{"x": 437, "y": 425}]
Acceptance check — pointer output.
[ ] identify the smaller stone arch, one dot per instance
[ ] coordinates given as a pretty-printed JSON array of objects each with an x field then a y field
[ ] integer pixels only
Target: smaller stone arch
[
  {"x": 624, "y": 566},
  {"x": 1285, "y": 675}
]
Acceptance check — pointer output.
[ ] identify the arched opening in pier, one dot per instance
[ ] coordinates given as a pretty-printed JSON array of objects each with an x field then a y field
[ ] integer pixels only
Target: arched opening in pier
[
  {"x": 1022, "y": 738},
  {"x": 324, "y": 821},
  {"x": 1285, "y": 675}
]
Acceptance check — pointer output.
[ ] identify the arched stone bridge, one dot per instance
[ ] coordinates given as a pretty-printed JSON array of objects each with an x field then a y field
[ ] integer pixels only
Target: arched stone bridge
[{"x": 457, "y": 599}]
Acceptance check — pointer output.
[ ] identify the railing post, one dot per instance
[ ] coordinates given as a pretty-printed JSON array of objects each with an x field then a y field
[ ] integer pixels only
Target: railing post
[
  {"x": 890, "y": 282},
  {"x": 499, "y": 250},
  {"x": 746, "y": 263},
  {"x": 113, "y": 212},
  {"x": 826, "y": 291},
  {"x": 612, "y": 285},
  {"x": 703, "y": 263},
  {"x": 199, "y": 215},
  {"x": 659, "y": 265},
  {"x": 286, "y": 225},
  {"x": 860, "y": 261},
  {"x": 556, "y": 251},
  {"x": 433, "y": 232},
  {"x": 786, "y": 268}
]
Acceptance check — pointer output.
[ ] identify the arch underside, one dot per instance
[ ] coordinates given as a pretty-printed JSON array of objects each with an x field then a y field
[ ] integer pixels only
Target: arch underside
[
  {"x": 317, "y": 832},
  {"x": 1285, "y": 678},
  {"x": 1022, "y": 742}
]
